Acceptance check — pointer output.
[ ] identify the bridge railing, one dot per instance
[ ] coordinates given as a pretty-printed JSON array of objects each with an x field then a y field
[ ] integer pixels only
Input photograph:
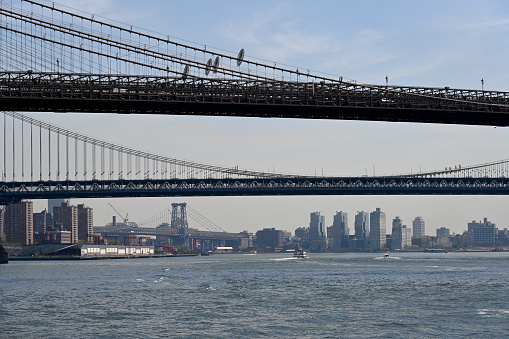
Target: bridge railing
[{"x": 31, "y": 84}]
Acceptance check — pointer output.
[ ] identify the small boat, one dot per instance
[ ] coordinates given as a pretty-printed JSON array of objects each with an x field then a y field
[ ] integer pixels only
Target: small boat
[
  {"x": 300, "y": 254},
  {"x": 387, "y": 256}
]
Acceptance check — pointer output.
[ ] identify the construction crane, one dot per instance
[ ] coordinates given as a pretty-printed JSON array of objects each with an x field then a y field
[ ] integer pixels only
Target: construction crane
[{"x": 120, "y": 215}]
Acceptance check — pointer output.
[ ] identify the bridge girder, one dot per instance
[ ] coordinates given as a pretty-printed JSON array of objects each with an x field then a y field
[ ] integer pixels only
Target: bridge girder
[{"x": 16, "y": 191}]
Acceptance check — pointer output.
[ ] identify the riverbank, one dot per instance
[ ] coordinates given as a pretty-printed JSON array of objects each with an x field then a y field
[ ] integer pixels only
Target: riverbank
[{"x": 74, "y": 257}]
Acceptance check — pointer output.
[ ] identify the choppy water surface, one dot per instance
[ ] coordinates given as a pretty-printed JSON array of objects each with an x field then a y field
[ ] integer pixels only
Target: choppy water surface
[{"x": 413, "y": 295}]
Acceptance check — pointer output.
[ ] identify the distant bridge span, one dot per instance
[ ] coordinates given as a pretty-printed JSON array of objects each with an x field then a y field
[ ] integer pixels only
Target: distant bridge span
[{"x": 401, "y": 185}]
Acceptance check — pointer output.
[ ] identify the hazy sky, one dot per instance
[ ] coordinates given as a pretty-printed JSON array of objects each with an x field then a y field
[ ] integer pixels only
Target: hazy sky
[{"x": 419, "y": 43}]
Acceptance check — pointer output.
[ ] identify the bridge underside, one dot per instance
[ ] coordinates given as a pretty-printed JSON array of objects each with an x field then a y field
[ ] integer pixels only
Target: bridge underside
[
  {"x": 16, "y": 191},
  {"x": 261, "y": 110}
]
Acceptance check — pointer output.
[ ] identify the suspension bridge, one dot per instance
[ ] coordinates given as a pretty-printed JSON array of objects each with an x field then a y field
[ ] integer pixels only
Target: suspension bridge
[
  {"x": 53, "y": 59},
  {"x": 171, "y": 225},
  {"x": 56, "y": 59}
]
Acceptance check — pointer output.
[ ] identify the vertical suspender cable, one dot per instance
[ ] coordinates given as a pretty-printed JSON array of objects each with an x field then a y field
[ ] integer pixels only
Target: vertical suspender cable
[
  {"x": 22, "y": 149},
  {"x": 49, "y": 154},
  {"x": 58, "y": 154},
  {"x": 40, "y": 152},
  {"x": 31, "y": 152},
  {"x": 67, "y": 156},
  {"x": 76, "y": 159},
  {"x": 4, "y": 175},
  {"x": 93, "y": 162},
  {"x": 85, "y": 159},
  {"x": 13, "y": 153}
]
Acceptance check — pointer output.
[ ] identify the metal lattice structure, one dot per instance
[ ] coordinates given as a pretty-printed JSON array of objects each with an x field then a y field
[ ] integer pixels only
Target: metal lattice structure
[
  {"x": 179, "y": 217},
  {"x": 59, "y": 59},
  {"x": 53, "y": 58},
  {"x": 44, "y": 161}
]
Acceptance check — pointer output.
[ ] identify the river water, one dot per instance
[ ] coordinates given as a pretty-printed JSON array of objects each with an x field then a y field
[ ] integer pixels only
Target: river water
[{"x": 411, "y": 295}]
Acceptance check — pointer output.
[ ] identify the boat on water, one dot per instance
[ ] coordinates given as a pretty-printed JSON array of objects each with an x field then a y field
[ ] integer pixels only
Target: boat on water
[
  {"x": 300, "y": 254},
  {"x": 387, "y": 256}
]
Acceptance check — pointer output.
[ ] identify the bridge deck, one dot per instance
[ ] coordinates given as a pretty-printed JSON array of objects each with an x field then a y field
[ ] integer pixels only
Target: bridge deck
[{"x": 54, "y": 92}]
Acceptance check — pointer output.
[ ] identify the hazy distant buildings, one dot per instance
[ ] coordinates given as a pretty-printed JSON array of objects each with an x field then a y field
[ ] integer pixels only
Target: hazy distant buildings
[
  {"x": 18, "y": 223},
  {"x": 269, "y": 238},
  {"x": 401, "y": 235},
  {"x": 418, "y": 227},
  {"x": 397, "y": 235},
  {"x": 484, "y": 233},
  {"x": 406, "y": 237},
  {"x": 52, "y": 203},
  {"x": 443, "y": 232},
  {"x": 340, "y": 231},
  {"x": 362, "y": 225},
  {"x": 377, "y": 234},
  {"x": 41, "y": 221},
  {"x": 302, "y": 233},
  {"x": 317, "y": 231}
]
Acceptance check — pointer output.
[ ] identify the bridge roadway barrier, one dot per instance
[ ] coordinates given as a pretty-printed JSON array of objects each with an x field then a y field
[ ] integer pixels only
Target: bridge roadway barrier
[{"x": 55, "y": 92}]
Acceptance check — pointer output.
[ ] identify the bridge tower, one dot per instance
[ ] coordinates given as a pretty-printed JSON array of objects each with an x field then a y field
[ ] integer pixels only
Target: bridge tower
[{"x": 179, "y": 216}]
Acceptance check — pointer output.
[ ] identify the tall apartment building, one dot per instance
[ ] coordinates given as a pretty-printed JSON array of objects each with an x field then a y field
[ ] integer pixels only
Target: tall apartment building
[
  {"x": 406, "y": 237},
  {"x": 484, "y": 233},
  {"x": 65, "y": 218},
  {"x": 443, "y": 232},
  {"x": 340, "y": 231},
  {"x": 362, "y": 225},
  {"x": 18, "y": 223},
  {"x": 419, "y": 227},
  {"x": 41, "y": 221},
  {"x": 85, "y": 223},
  {"x": 377, "y": 229},
  {"x": 317, "y": 231},
  {"x": 269, "y": 237},
  {"x": 397, "y": 234}
]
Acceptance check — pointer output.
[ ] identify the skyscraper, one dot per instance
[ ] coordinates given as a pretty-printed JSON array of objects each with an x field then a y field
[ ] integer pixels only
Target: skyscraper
[
  {"x": 85, "y": 223},
  {"x": 418, "y": 227},
  {"x": 18, "y": 223},
  {"x": 406, "y": 237},
  {"x": 401, "y": 235},
  {"x": 317, "y": 231},
  {"x": 340, "y": 230},
  {"x": 362, "y": 225},
  {"x": 65, "y": 217},
  {"x": 377, "y": 231},
  {"x": 397, "y": 235}
]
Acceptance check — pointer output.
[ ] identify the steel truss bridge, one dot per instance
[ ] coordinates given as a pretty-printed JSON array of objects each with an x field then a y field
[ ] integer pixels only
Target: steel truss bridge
[
  {"x": 53, "y": 59},
  {"x": 44, "y": 161},
  {"x": 57, "y": 59},
  {"x": 174, "y": 234}
]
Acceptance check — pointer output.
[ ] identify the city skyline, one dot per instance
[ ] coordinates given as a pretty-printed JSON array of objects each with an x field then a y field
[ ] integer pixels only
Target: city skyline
[{"x": 411, "y": 44}]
